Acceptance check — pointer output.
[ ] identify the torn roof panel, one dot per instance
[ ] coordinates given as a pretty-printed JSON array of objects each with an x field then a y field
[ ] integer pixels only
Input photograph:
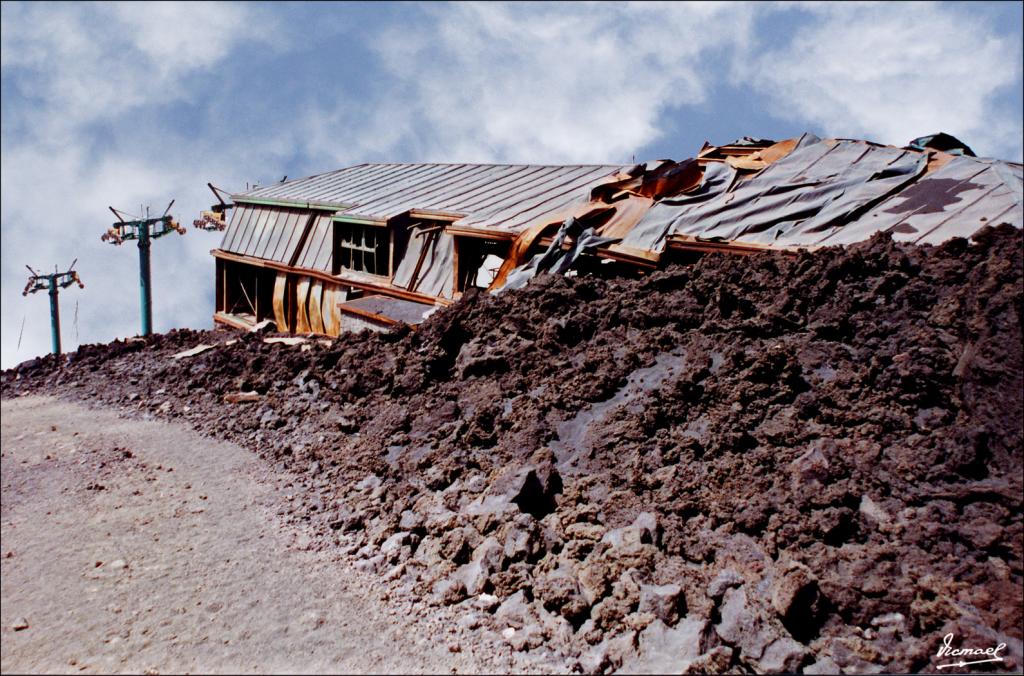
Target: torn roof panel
[
  {"x": 651, "y": 231},
  {"x": 817, "y": 186},
  {"x": 955, "y": 200},
  {"x": 428, "y": 264}
]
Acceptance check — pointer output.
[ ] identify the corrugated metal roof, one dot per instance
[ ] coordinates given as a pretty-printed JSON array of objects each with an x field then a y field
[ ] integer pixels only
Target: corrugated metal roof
[
  {"x": 271, "y": 233},
  {"x": 506, "y": 197}
]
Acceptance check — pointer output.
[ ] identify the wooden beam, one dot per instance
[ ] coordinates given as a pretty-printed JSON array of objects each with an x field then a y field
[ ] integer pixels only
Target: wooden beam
[
  {"x": 391, "y": 255},
  {"x": 387, "y": 290},
  {"x": 731, "y": 247},
  {"x": 496, "y": 235},
  {"x": 424, "y": 246},
  {"x": 357, "y": 220},
  {"x": 455, "y": 265},
  {"x": 449, "y": 216},
  {"x": 626, "y": 254},
  {"x": 231, "y": 320},
  {"x": 368, "y": 315}
]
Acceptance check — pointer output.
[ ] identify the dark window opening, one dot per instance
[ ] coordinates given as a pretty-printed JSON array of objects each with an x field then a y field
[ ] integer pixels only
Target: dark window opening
[
  {"x": 244, "y": 290},
  {"x": 478, "y": 261},
  {"x": 362, "y": 248}
]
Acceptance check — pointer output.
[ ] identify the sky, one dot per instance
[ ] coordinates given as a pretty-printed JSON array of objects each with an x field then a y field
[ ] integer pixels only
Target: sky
[{"x": 135, "y": 104}]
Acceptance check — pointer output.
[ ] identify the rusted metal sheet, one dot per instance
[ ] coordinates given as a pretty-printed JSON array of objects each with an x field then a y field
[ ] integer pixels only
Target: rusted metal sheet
[
  {"x": 760, "y": 159},
  {"x": 316, "y": 316},
  {"x": 333, "y": 296},
  {"x": 301, "y": 304},
  {"x": 280, "y": 303}
]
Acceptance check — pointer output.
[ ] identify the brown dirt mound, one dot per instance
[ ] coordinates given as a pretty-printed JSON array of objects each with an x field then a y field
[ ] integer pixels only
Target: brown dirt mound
[{"x": 768, "y": 463}]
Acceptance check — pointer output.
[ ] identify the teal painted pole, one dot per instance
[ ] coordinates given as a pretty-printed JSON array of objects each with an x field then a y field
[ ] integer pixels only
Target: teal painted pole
[
  {"x": 145, "y": 290},
  {"x": 54, "y": 316}
]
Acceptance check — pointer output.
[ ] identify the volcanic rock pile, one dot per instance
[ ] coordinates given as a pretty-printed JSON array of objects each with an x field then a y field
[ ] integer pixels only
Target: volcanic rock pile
[{"x": 768, "y": 463}]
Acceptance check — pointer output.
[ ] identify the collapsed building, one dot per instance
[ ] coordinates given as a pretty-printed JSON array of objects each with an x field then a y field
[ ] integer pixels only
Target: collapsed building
[{"x": 375, "y": 245}]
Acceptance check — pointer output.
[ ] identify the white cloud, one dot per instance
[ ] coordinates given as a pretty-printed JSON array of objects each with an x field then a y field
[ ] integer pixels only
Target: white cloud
[
  {"x": 895, "y": 71},
  {"x": 594, "y": 82},
  {"x": 87, "y": 62},
  {"x": 554, "y": 82},
  {"x": 93, "y": 79}
]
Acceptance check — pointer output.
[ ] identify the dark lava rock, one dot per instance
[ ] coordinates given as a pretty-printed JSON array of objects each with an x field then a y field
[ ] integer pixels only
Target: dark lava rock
[{"x": 808, "y": 446}]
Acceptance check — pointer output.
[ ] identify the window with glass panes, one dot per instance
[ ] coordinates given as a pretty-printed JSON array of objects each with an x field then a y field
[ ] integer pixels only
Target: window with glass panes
[{"x": 362, "y": 248}]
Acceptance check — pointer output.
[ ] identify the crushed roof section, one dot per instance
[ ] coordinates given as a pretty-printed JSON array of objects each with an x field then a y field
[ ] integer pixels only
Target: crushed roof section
[
  {"x": 956, "y": 200},
  {"x": 752, "y": 194},
  {"x": 817, "y": 188}
]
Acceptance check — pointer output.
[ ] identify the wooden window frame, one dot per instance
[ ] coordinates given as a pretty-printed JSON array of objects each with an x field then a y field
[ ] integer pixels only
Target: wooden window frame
[{"x": 357, "y": 248}]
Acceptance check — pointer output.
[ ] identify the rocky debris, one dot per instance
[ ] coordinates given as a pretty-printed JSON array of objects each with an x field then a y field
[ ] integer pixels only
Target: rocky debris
[
  {"x": 661, "y": 601},
  {"x": 486, "y": 561},
  {"x": 609, "y": 654},
  {"x": 825, "y": 665},
  {"x": 763, "y": 464},
  {"x": 797, "y": 600},
  {"x": 764, "y": 643},
  {"x": 20, "y": 624},
  {"x": 723, "y": 582},
  {"x": 663, "y": 649},
  {"x": 560, "y": 592}
]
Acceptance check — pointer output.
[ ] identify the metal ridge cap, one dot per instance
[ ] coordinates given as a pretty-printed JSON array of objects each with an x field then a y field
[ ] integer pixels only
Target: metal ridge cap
[{"x": 284, "y": 202}]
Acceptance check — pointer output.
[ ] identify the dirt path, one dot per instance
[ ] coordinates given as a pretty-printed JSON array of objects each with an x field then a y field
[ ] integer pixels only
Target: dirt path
[{"x": 143, "y": 547}]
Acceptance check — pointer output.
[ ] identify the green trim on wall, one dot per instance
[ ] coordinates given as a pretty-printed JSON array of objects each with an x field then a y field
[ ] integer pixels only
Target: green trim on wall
[{"x": 342, "y": 218}]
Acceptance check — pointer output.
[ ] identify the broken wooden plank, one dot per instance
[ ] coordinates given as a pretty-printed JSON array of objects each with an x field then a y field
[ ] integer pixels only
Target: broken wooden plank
[
  {"x": 241, "y": 397},
  {"x": 263, "y": 326},
  {"x": 198, "y": 349},
  {"x": 289, "y": 340}
]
